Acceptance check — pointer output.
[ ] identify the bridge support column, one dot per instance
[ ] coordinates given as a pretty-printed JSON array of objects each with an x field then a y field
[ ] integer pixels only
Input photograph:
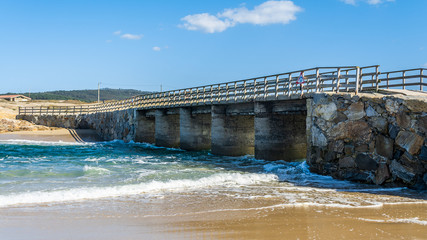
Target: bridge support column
[
  {"x": 145, "y": 127},
  {"x": 232, "y": 135},
  {"x": 280, "y": 132},
  {"x": 195, "y": 130},
  {"x": 167, "y": 129}
]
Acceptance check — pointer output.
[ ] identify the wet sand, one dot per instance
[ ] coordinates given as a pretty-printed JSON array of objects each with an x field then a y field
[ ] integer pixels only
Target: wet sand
[
  {"x": 63, "y": 135},
  {"x": 198, "y": 217}
]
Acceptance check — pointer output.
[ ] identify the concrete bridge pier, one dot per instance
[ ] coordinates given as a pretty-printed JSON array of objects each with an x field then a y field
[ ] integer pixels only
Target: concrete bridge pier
[
  {"x": 232, "y": 130},
  {"x": 167, "y": 128},
  {"x": 280, "y": 130},
  {"x": 195, "y": 129},
  {"x": 145, "y": 127}
]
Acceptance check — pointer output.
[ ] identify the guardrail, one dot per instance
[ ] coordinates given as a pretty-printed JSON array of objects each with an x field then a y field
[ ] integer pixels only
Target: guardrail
[{"x": 273, "y": 87}]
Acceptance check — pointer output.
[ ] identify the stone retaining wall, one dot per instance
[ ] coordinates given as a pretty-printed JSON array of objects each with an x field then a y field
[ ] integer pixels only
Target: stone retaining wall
[
  {"x": 111, "y": 125},
  {"x": 370, "y": 138}
]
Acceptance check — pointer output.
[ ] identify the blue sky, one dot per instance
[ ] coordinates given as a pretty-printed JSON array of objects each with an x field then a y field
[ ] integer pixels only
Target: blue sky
[{"x": 74, "y": 44}]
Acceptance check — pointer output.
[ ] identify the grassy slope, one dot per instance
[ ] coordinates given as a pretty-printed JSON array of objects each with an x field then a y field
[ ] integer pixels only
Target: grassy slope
[{"x": 85, "y": 95}]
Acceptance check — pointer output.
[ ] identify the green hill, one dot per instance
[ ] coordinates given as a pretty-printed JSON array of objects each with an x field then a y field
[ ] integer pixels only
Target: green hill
[{"x": 86, "y": 95}]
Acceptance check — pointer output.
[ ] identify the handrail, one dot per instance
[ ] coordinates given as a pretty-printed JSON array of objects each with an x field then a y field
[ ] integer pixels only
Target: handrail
[{"x": 271, "y": 87}]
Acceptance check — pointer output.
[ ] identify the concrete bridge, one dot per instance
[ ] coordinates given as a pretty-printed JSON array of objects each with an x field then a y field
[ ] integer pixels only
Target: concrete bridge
[{"x": 287, "y": 116}]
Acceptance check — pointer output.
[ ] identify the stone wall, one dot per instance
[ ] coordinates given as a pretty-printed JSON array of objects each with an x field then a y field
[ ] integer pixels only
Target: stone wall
[
  {"x": 119, "y": 125},
  {"x": 109, "y": 126},
  {"x": 371, "y": 138}
]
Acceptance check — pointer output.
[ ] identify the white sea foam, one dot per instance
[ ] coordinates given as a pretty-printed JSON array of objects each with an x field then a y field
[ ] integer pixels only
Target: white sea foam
[
  {"x": 223, "y": 180},
  {"x": 396, "y": 220},
  {"x": 41, "y": 143},
  {"x": 95, "y": 170}
]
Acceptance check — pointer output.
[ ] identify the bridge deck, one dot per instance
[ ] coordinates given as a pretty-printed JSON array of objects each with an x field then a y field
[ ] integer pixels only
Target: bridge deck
[{"x": 283, "y": 86}]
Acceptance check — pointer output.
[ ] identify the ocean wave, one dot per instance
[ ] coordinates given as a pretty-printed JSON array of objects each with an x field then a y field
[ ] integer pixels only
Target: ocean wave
[
  {"x": 78, "y": 194},
  {"x": 88, "y": 170},
  {"x": 41, "y": 143},
  {"x": 415, "y": 220}
]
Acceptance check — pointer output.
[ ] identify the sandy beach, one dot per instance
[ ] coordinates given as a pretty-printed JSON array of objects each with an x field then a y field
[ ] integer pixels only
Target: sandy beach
[
  {"x": 56, "y": 135},
  {"x": 215, "y": 218}
]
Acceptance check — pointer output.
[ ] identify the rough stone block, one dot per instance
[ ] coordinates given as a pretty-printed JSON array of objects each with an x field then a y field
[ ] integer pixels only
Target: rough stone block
[
  {"x": 356, "y": 111},
  {"x": 326, "y": 111},
  {"x": 423, "y": 154},
  {"x": 365, "y": 162},
  {"x": 391, "y": 106},
  {"x": 362, "y": 148},
  {"x": 356, "y": 176},
  {"x": 318, "y": 138},
  {"x": 351, "y": 130},
  {"x": 348, "y": 149},
  {"x": 402, "y": 172},
  {"x": 370, "y": 112},
  {"x": 403, "y": 120},
  {"x": 422, "y": 124},
  {"x": 379, "y": 123},
  {"x": 341, "y": 117},
  {"x": 393, "y": 130},
  {"x": 347, "y": 162},
  {"x": 384, "y": 146},
  {"x": 381, "y": 174},
  {"x": 409, "y": 141},
  {"x": 337, "y": 146}
]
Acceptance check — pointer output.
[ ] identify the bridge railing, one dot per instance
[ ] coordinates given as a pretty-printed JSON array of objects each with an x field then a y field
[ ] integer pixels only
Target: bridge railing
[
  {"x": 58, "y": 110},
  {"x": 272, "y": 87}
]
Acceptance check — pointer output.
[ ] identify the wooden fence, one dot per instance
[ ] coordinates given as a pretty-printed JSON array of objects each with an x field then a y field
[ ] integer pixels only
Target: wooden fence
[{"x": 273, "y": 87}]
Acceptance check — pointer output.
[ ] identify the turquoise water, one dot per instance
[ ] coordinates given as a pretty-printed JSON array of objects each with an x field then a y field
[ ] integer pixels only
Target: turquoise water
[{"x": 34, "y": 173}]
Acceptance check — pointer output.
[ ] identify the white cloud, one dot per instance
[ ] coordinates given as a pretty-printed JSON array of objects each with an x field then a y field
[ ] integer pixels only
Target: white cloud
[
  {"x": 206, "y": 23},
  {"x": 371, "y": 2},
  {"x": 156, "y": 49},
  {"x": 132, "y": 36},
  {"x": 270, "y": 12},
  {"x": 425, "y": 65},
  {"x": 109, "y": 41},
  {"x": 117, "y": 32}
]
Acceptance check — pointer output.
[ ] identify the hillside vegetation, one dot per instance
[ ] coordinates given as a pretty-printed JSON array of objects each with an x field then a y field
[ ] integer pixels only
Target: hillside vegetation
[{"x": 85, "y": 95}]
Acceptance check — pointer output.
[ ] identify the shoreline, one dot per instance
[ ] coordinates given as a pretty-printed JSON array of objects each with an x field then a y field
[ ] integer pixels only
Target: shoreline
[
  {"x": 133, "y": 218},
  {"x": 56, "y": 135}
]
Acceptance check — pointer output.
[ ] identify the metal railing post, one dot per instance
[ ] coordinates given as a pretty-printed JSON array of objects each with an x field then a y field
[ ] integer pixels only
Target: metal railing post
[
  {"x": 277, "y": 87},
  {"x": 357, "y": 80},
  {"x": 346, "y": 80},
  {"x": 255, "y": 90},
  {"x": 421, "y": 79},
  {"x": 227, "y": 92},
  {"x": 338, "y": 79},
  {"x": 403, "y": 80},
  {"x": 265, "y": 88},
  {"x": 244, "y": 90},
  {"x": 388, "y": 81},
  {"x": 317, "y": 79},
  {"x": 235, "y": 91},
  {"x": 377, "y": 80}
]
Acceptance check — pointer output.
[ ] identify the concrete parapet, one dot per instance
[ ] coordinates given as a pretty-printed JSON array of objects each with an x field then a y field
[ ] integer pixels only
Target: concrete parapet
[
  {"x": 232, "y": 135},
  {"x": 167, "y": 129},
  {"x": 195, "y": 130}
]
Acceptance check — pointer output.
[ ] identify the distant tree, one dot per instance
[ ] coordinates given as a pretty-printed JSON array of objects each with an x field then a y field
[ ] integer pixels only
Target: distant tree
[{"x": 107, "y": 94}]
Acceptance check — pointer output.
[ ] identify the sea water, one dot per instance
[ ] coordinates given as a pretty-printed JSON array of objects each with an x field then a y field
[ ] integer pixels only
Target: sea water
[{"x": 35, "y": 174}]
